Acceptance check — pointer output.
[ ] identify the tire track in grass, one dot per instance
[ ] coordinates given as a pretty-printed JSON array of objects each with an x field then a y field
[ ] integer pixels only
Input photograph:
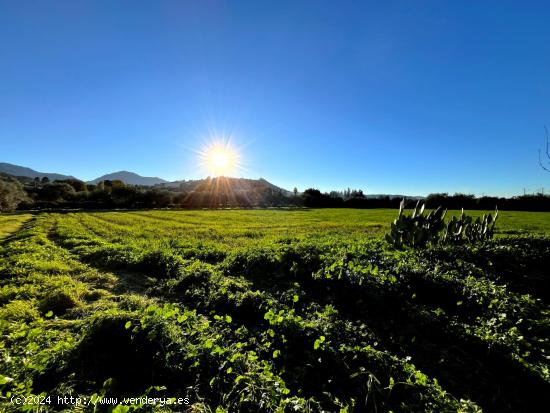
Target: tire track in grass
[
  {"x": 122, "y": 228},
  {"x": 207, "y": 309},
  {"x": 128, "y": 281},
  {"x": 180, "y": 222},
  {"x": 11, "y": 224}
]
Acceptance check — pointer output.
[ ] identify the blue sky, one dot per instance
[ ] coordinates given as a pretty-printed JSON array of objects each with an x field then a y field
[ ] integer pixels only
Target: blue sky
[{"x": 392, "y": 97}]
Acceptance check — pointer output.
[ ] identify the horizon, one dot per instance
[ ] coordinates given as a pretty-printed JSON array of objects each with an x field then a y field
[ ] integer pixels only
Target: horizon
[
  {"x": 394, "y": 98},
  {"x": 527, "y": 191}
]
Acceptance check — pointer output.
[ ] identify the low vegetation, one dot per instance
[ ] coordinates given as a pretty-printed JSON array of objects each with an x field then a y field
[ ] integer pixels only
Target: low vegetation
[{"x": 304, "y": 310}]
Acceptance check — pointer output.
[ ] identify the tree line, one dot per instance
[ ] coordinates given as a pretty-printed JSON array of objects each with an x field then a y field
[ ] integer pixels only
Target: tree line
[
  {"x": 536, "y": 202},
  {"x": 27, "y": 193}
]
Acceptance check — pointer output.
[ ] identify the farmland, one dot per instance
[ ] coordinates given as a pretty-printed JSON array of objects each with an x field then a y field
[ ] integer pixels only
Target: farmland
[{"x": 272, "y": 310}]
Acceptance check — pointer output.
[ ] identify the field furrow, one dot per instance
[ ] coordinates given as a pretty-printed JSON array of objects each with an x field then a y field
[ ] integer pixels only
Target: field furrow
[{"x": 11, "y": 223}]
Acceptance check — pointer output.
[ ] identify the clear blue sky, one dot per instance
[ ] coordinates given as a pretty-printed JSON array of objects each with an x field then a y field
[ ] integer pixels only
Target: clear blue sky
[{"x": 393, "y": 97}]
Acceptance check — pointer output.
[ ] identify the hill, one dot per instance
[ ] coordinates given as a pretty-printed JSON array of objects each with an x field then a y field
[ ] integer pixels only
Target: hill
[
  {"x": 129, "y": 178},
  {"x": 225, "y": 183},
  {"x": 16, "y": 170}
]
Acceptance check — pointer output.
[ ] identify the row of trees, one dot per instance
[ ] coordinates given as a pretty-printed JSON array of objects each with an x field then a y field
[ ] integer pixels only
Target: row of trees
[
  {"x": 39, "y": 194},
  {"x": 315, "y": 199},
  {"x": 536, "y": 202}
]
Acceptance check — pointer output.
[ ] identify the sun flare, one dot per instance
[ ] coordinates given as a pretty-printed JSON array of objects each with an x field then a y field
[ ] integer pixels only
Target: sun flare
[{"x": 220, "y": 159}]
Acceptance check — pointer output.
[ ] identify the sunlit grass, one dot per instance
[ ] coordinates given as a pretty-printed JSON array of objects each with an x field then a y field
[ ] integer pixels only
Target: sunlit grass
[{"x": 9, "y": 223}]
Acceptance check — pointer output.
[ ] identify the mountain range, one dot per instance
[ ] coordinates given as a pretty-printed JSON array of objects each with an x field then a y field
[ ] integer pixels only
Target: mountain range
[
  {"x": 129, "y": 178},
  {"x": 17, "y": 170}
]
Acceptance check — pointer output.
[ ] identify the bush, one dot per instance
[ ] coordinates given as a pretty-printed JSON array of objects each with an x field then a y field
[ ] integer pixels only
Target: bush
[{"x": 11, "y": 194}]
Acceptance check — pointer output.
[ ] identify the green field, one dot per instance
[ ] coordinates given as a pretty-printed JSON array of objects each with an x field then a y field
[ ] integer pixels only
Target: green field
[
  {"x": 271, "y": 310},
  {"x": 11, "y": 223}
]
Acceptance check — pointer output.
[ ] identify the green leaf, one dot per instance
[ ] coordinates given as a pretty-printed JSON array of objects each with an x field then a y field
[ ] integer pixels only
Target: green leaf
[
  {"x": 318, "y": 342},
  {"x": 5, "y": 379}
]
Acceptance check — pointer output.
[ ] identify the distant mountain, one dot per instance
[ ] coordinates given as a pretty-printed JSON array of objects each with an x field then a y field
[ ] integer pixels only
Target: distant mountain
[
  {"x": 224, "y": 183},
  {"x": 16, "y": 170},
  {"x": 129, "y": 178}
]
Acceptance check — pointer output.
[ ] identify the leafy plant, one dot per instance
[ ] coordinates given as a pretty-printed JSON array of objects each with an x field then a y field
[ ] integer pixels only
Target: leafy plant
[
  {"x": 418, "y": 230},
  {"x": 470, "y": 229}
]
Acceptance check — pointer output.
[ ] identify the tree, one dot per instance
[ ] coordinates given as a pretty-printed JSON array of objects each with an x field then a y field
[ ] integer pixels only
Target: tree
[
  {"x": 547, "y": 153},
  {"x": 77, "y": 184},
  {"x": 56, "y": 191},
  {"x": 11, "y": 194},
  {"x": 295, "y": 191},
  {"x": 123, "y": 195},
  {"x": 313, "y": 198}
]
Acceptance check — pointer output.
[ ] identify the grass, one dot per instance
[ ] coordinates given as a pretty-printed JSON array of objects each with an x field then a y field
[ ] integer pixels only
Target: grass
[
  {"x": 309, "y": 221},
  {"x": 273, "y": 310},
  {"x": 9, "y": 223}
]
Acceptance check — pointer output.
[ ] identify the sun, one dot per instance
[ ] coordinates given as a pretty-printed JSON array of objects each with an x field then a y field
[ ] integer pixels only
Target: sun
[{"x": 220, "y": 159}]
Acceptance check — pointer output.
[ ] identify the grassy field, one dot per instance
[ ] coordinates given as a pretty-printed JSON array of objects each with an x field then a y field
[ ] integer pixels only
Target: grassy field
[
  {"x": 9, "y": 223},
  {"x": 270, "y": 310},
  {"x": 296, "y": 222}
]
